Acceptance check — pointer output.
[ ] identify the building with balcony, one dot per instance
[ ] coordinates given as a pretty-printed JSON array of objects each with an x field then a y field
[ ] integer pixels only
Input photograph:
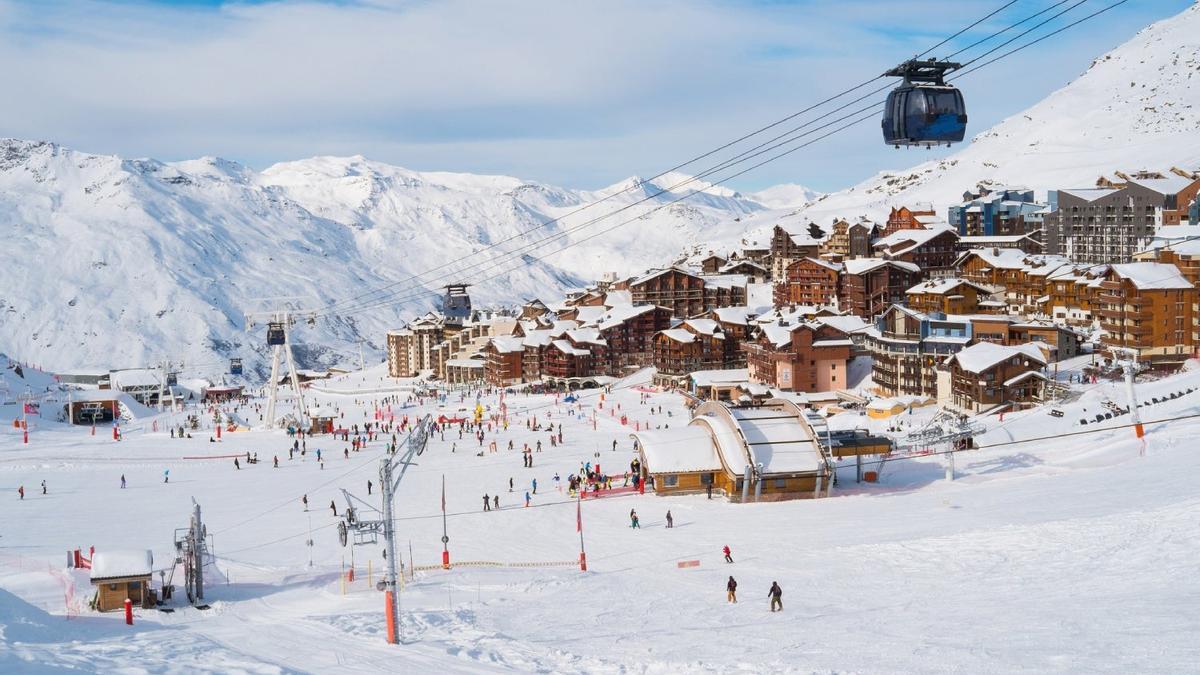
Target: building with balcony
[
  {"x": 1151, "y": 308},
  {"x": 906, "y": 345},
  {"x": 988, "y": 377}
]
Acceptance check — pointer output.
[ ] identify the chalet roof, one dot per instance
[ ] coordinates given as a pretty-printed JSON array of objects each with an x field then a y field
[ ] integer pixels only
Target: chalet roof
[
  {"x": 1089, "y": 194},
  {"x": 538, "y": 338},
  {"x": 704, "y": 326},
  {"x": 735, "y": 315},
  {"x": 903, "y": 241},
  {"x": 1025, "y": 376},
  {"x": 568, "y": 349},
  {"x": 983, "y": 356},
  {"x": 849, "y": 323},
  {"x": 944, "y": 285},
  {"x": 619, "y": 314},
  {"x": 778, "y": 335},
  {"x": 679, "y": 335},
  {"x": 586, "y": 336},
  {"x": 508, "y": 345},
  {"x": 618, "y": 297},
  {"x": 121, "y": 564},
  {"x": 653, "y": 274},
  {"x": 589, "y": 314},
  {"x": 836, "y": 267},
  {"x": 742, "y": 263},
  {"x": 725, "y": 280},
  {"x": 1152, "y": 275},
  {"x": 864, "y": 265}
]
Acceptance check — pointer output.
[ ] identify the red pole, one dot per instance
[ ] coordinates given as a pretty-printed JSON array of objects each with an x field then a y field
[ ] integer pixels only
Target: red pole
[
  {"x": 445, "y": 559},
  {"x": 114, "y": 431},
  {"x": 128, "y": 612},
  {"x": 391, "y": 618},
  {"x": 218, "y": 431},
  {"x": 25, "y": 436},
  {"x": 582, "y": 561}
]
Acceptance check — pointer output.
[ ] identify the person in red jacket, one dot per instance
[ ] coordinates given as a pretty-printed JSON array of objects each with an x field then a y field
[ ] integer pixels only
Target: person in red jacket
[{"x": 728, "y": 557}]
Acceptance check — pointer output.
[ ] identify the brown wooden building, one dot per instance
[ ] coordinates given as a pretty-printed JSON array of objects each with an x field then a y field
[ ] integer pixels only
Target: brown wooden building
[
  {"x": 808, "y": 281},
  {"x": 806, "y": 356},
  {"x": 1149, "y": 307},
  {"x": 868, "y": 286},
  {"x": 987, "y": 376}
]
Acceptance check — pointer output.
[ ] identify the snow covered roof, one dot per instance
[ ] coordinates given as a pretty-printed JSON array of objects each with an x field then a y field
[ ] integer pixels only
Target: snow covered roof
[
  {"x": 1169, "y": 184},
  {"x": 121, "y": 564},
  {"x": 1024, "y": 376},
  {"x": 903, "y": 241},
  {"x": 538, "y": 338},
  {"x": 731, "y": 376},
  {"x": 619, "y": 314},
  {"x": 778, "y": 335},
  {"x": 1152, "y": 275},
  {"x": 566, "y": 348},
  {"x": 735, "y": 315},
  {"x": 832, "y": 343},
  {"x": 849, "y": 323},
  {"x": 864, "y": 265},
  {"x": 138, "y": 377},
  {"x": 508, "y": 345},
  {"x": 1089, "y": 194},
  {"x": 679, "y": 335},
  {"x": 464, "y": 363},
  {"x": 683, "y": 450},
  {"x": 618, "y": 297},
  {"x": 589, "y": 314},
  {"x": 659, "y": 272},
  {"x": 726, "y": 280},
  {"x": 982, "y": 356},
  {"x": 587, "y": 336},
  {"x": 780, "y": 442},
  {"x": 943, "y": 285},
  {"x": 704, "y": 326}
]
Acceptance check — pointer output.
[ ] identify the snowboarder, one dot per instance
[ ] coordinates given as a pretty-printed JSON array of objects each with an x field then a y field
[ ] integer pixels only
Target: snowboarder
[
  {"x": 731, "y": 589},
  {"x": 487, "y": 502},
  {"x": 670, "y": 520},
  {"x": 728, "y": 556},
  {"x": 122, "y": 481},
  {"x": 776, "y": 595}
]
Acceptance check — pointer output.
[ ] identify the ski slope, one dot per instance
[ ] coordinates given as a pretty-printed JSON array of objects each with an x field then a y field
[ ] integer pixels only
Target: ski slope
[{"x": 1071, "y": 556}]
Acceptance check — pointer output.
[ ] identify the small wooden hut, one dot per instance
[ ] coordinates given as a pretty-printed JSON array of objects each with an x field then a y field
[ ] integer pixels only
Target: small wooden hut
[{"x": 122, "y": 574}]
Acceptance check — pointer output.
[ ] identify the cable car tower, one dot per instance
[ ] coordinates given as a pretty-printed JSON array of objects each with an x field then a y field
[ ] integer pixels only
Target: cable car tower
[
  {"x": 279, "y": 324},
  {"x": 924, "y": 110}
]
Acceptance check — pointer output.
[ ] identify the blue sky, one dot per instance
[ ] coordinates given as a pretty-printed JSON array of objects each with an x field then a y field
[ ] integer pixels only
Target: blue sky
[{"x": 574, "y": 93}]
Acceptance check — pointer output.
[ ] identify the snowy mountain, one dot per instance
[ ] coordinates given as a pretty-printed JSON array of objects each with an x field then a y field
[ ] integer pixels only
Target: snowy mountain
[
  {"x": 1136, "y": 107},
  {"x": 112, "y": 262}
]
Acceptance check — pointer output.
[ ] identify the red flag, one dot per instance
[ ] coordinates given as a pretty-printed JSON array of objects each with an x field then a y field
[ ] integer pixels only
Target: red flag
[{"x": 578, "y": 517}]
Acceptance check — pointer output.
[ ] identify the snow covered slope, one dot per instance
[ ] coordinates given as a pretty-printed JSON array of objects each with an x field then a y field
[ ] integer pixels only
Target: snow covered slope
[
  {"x": 117, "y": 263},
  {"x": 1137, "y": 106}
]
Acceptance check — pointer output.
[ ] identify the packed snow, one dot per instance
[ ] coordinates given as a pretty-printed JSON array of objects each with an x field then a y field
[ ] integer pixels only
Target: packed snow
[{"x": 1070, "y": 555}]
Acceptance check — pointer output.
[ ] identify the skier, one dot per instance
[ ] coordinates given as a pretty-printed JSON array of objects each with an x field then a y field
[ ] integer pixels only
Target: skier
[
  {"x": 535, "y": 486},
  {"x": 487, "y": 503},
  {"x": 496, "y": 502},
  {"x": 527, "y": 499},
  {"x": 236, "y": 465},
  {"x": 369, "y": 485},
  {"x": 670, "y": 520},
  {"x": 728, "y": 557},
  {"x": 122, "y": 481},
  {"x": 166, "y": 475},
  {"x": 333, "y": 507},
  {"x": 633, "y": 520},
  {"x": 510, "y": 484},
  {"x": 43, "y": 487},
  {"x": 731, "y": 589},
  {"x": 21, "y": 491},
  {"x": 776, "y": 595},
  {"x": 304, "y": 500},
  {"x": 276, "y": 461}
]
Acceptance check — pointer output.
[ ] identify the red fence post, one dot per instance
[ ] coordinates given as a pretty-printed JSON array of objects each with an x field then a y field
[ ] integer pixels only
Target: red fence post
[
  {"x": 391, "y": 618},
  {"x": 128, "y": 612}
]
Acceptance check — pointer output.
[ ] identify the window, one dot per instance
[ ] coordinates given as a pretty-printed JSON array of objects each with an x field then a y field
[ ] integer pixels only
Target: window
[
  {"x": 780, "y": 483},
  {"x": 670, "y": 481}
]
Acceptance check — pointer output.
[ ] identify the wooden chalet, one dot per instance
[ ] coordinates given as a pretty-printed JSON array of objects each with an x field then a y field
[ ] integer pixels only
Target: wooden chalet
[
  {"x": 804, "y": 356},
  {"x": 808, "y": 281},
  {"x": 118, "y": 575}
]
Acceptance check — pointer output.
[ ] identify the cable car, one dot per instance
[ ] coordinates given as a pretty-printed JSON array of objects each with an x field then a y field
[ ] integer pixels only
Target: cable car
[
  {"x": 235, "y": 366},
  {"x": 924, "y": 110},
  {"x": 275, "y": 334},
  {"x": 172, "y": 379}
]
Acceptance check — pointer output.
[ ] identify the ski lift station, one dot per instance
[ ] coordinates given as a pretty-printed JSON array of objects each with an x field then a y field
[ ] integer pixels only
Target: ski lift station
[
  {"x": 771, "y": 451},
  {"x": 123, "y": 574}
]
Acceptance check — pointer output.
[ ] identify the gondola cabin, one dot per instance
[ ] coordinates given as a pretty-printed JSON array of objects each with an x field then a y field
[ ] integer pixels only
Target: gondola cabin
[
  {"x": 275, "y": 334},
  {"x": 924, "y": 111},
  {"x": 235, "y": 366}
]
